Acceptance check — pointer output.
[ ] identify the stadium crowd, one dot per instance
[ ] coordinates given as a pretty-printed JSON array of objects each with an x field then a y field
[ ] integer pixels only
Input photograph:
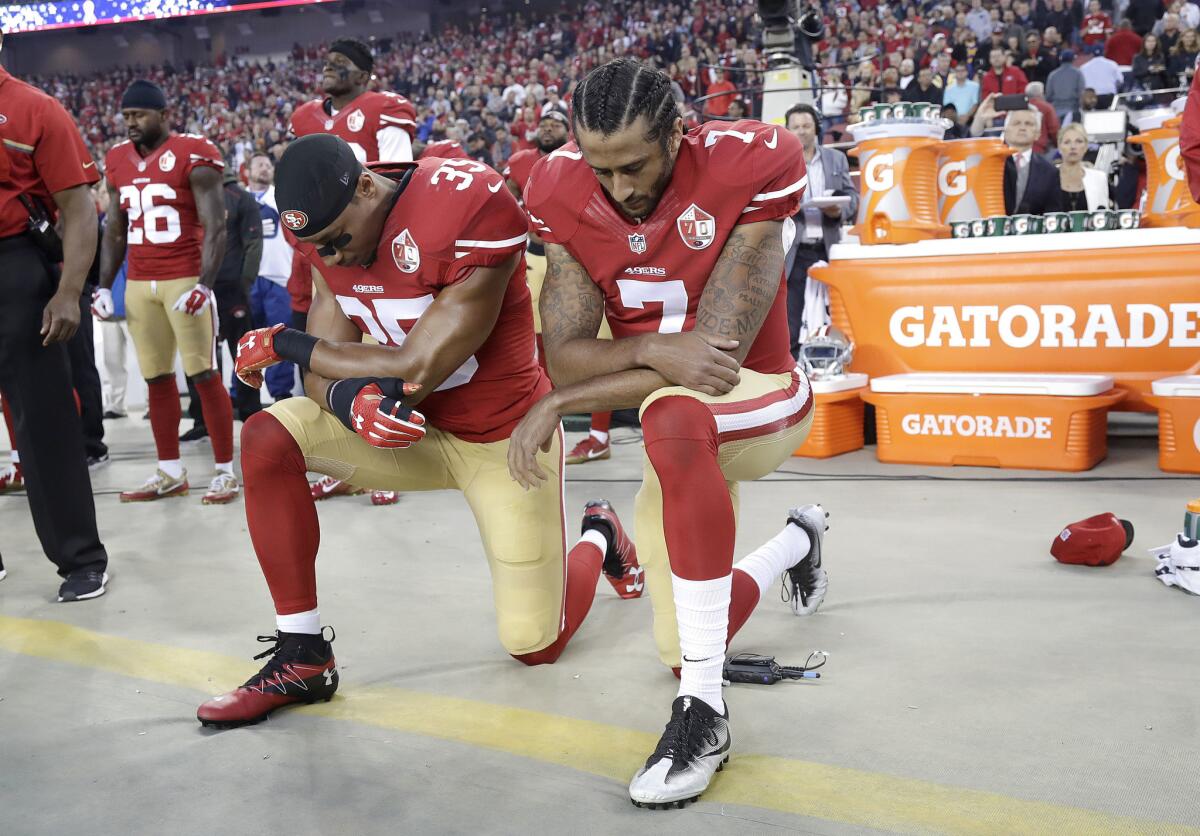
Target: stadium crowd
[{"x": 492, "y": 81}]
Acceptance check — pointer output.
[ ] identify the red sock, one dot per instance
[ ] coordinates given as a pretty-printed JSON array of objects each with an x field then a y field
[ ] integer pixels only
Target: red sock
[
  {"x": 601, "y": 421},
  {"x": 583, "y": 571},
  {"x": 280, "y": 513},
  {"x": 698, "y": 522},
  {"x": 218, "y": 416},
  {"x": 165, "y": 412}
]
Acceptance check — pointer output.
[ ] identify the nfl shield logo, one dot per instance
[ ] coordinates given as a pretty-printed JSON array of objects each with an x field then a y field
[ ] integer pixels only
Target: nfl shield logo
[
  {"x": 328, "y": 124},
  {"x": 405, "y": 253},
  {"x": 355, "y": 121},
  {"x": 696, "y": 227},
  {"x": 637, "y": 243}
]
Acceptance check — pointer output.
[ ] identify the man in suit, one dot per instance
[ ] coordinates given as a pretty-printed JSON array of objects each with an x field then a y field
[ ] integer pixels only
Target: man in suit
[
  {"x": 1030, "y": 183},
  {"x": 817, "y": 229}
]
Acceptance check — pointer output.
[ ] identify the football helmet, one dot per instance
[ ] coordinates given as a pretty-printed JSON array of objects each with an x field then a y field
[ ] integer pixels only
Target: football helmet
[{"x": 826, "y": 353}]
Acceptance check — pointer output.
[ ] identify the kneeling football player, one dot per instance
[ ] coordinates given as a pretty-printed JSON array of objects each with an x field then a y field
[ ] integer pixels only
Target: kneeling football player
[
  {"x": 680, "y": 238},
  {"x": 427, "y": 258}
]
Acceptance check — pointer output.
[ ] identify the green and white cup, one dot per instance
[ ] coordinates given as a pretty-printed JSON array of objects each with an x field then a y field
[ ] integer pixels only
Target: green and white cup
[
  {"x": 1104, "y": 219},
  {"x": 1129, "y": 219},
  {"x": 979, "y": 228},
  {"x": 1080, "y": 221},
  {"x": 960, "y": 229},
  {"x": 1056, "y": 222},
  {"x": 1026, "y": 225},
  {"x": 884, "y": 112},
  {"x": 867, "y": 115},
  {"x": 998, "y": 226}
]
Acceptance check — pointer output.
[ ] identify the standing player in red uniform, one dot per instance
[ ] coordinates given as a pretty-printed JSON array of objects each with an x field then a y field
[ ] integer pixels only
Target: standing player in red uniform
[
  {"x": 426, "y": 259},
  {"x": 379, "y": 126},
  {"x": 166, "y": 206},
  {"x": 680, "y": 238},
  {"x": 552, "y": 133}
]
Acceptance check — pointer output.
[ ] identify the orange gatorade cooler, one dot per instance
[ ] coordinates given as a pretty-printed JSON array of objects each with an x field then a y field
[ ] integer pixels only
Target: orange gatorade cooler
[
  {"x": 970, "y": 179},
  {"x": 1178, "y": 402},
  {"x": 1168, "y": 201},
  {"x": 1035, "y": 421},
  {"x": 898, "y": 183},
  {"x": 837, "y": 425}
]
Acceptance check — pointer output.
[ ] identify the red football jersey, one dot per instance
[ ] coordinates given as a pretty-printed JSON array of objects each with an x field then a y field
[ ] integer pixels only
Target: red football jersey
[
  {"x": 520, "y": 166},
  {"x": 359, "y": 122},
  {"x": 453, "y": 216},
  {"x": 653, "y": 273},
  {"x": 165, "y": 235},
  {"x": 445, "y": 149}
]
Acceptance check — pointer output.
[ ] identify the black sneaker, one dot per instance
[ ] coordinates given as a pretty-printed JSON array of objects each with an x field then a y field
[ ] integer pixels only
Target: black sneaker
[
  {"x": 693, "y": 747},
  {"x": 99, "y": 461},
  {"x": 301, "y": 670},
  {"x": 83, "y": 584},
  {"x": 198, "y": 432},
  {"x": 112, "y": 414},
  {"x": 805, "y": 583}
]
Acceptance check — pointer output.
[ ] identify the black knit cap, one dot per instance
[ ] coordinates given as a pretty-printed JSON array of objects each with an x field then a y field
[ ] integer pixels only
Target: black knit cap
[
  {"x": 358, "y": 52},
  {"x": 143, "y": 95},
  {"x": 314, "y": 182}
]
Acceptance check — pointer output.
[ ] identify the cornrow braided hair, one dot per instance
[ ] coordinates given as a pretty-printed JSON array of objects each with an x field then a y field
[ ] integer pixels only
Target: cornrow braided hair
[{"x": 612, "y": 97}]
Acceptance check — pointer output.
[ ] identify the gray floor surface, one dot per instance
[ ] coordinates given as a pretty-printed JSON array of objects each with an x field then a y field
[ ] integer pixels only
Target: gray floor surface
[{"x": 966, "y": 668}]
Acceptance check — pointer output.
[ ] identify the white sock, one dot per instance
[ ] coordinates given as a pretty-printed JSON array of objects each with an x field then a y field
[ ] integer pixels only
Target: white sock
[
  {"x": 599, "y": 436},
  {"x": 774, "y": 557},
  {"x": 702, "y": 610},
  {"x": 16, "y": 457},
  {"x": 300, "y": 622},
  {"x": 597, "y": 539},
  {"x": 225, "y": 467},
  {"x": 172, "y": 467}
]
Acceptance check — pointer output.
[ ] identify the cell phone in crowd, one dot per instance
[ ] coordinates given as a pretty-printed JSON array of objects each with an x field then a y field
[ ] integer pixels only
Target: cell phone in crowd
[{"x": 1012, "y": 102}]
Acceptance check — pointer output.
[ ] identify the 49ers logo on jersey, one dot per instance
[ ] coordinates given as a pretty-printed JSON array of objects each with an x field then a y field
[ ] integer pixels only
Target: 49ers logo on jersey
[
  {"x": 167, "y": 161},
  {"x": 696, "y": 227},
  {"x": 355, "y": 121},
  {"x": 294, "y": 219},
  {"x": 405, "y": 252}
]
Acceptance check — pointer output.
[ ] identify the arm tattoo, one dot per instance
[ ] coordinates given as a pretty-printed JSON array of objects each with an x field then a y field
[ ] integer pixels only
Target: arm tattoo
[
  {"x": 743, "y": 285},
  {"x": 571, "y": 304}
]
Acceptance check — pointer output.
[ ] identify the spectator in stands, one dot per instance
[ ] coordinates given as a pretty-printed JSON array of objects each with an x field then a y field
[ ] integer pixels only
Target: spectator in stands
[
  {"x": 1102, "y": 75},
  {"x": 1082, "y": 187},
  {"x": 957, "y": 129},
  {"x": 1001, "y": 78},
  {"x": 1065, "y": 86},
  {"x": 962, "y": 93},
  {"x": 1182, "y": 61},
  {"x": 1038, "y": 62},
  {"x": 1143, "y": 14},
  {"x": 502, "y": 148},
  {"x": 477, "y": 148},
  {"x": 1189, "y": 14},
  {"x": 979, "y": 21},
  {"x": 907, "y": 73},
  {"x": 1123, "y": 45},
  {"x": 1056, "y": 15},
  {"x": 1030, "y": 185},
  {"x": 1168, "y": 32},
  {"x": 923, "y": 89},
  {"x": 722, "y": 92},
  {"x": 1097, "y": 26},
  {"x": 1048, "y": 134},
  {"x": 553, "y": 102},
  {"x": 834, "y": 98},
  {"x": 1150, "y": 66}
]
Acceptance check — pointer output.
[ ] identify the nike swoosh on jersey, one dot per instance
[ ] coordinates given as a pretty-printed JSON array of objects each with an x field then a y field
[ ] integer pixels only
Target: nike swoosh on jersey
[
  {"x": 89, "y": 165},
  {"x": 773, "y": 141},
  {"x": 495, "y": 187}
]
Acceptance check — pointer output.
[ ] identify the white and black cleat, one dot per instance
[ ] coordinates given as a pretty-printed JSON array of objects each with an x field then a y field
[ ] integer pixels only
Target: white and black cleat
[
  {"x": 805, "y": 583},
  {"x": 693, "y": 747}
]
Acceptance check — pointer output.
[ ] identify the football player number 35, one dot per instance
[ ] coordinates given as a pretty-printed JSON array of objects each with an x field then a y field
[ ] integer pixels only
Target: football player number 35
[
  {"x": 156, "y": 224},
  {"x": 672, "y": 295},
  {"x": 383, "y": 324},
  {"x": 460, "y": 172}
]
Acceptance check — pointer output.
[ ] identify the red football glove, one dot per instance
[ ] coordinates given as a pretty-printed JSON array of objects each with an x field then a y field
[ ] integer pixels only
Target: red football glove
[
  {"x": 193, "y": 302},
  {"x": 255, "y": 352},
  {"x": 382, "y": 420}
]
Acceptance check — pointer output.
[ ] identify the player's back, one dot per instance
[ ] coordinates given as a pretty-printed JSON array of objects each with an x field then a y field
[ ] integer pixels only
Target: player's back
[
  {"x": 453, "y": 216},
  {"x": 653, "y": 273},
  {"x": 164, "y": 235},
  {"x": 520, "y": 166}
]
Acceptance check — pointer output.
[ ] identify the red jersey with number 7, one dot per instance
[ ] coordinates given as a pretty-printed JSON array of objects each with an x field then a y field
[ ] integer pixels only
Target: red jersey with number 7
[
  {"x": 452, "y": 217},
  {"x": 653, "y": 273},
  {"x": 165, "y": 235}
]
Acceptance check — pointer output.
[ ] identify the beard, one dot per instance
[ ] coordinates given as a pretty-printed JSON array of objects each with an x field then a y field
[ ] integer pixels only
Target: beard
[{"x": 552, "y": 145}]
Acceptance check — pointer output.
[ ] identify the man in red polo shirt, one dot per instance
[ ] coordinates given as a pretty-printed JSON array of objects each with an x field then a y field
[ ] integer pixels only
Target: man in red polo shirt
[
  {"x": 1001, "y": 78},
  {"x": 45, "y": 171},
  {"x": 1189, "y": 139}
]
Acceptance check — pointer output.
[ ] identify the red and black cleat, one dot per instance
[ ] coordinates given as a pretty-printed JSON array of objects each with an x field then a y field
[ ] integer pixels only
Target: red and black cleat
[
  {"x": 620, "y": 562},
  {"x": 301, "y": 670}
]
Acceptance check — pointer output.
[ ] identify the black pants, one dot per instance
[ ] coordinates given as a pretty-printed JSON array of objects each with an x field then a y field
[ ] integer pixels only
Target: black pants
[
  {"x": 81, "y": 350},
  {"x": 36, "y": 381},
  {"x": 234, "y": 314},
  {"x": 806, "y": 257}
]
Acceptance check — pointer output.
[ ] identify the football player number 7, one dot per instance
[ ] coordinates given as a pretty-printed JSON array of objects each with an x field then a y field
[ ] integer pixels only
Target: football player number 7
[
  {"x": 671, "y": 294},
  {"x": 148, "y": 222}
]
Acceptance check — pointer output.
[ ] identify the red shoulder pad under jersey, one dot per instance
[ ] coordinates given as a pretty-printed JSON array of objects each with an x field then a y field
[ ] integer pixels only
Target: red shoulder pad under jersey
[
  {"x": 201, "y": 153},
  {"x": 308, "y": 118},
  {"x": 1189, "y": 138},
  {"x": 446, "y": 149},
  {"x": 391, "y": 110},
  {"x": 763, "y": 163},
  {"x": 559, "y": 187},
  {"x": 520, "y": 166}
]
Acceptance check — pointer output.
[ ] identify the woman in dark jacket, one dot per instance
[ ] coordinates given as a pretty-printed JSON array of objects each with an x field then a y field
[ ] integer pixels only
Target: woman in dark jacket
[
  {"x": 1150, "y": 66},
  {"x": 1182, "y": 62}
]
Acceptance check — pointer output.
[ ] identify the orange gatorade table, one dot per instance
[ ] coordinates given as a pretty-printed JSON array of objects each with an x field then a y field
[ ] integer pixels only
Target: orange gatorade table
[
  {"x": 1037, "y": 421},
  {"x": 837, "y": 425},
  {"x": 1178, "y": 403},
  {"x": 1120, "y": 303}
]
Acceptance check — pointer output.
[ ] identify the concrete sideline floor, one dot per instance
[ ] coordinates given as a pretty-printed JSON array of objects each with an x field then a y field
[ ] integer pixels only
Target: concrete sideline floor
[{"x": 974, "y": 685}]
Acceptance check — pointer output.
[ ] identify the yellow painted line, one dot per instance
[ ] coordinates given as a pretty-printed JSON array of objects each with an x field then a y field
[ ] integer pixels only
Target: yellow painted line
[{"x": 833, "y": 793}]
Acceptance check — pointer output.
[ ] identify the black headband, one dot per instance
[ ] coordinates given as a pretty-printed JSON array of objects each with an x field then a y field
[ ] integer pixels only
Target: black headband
[
  {"x": 358, "y": 54},
  {"x": 314, "y": 182},
  {"x": 144, "y": 95}
]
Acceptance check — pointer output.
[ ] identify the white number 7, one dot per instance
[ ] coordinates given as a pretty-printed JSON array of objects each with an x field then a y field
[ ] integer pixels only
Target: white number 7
[{"x": 672, "y": 294}]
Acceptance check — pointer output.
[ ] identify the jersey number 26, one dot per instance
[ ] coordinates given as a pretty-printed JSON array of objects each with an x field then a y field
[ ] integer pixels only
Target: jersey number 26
[{"x": 148, "y": 222}]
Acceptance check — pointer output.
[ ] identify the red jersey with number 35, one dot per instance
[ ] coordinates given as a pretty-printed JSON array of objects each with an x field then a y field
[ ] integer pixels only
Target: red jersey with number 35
[
  {"x": 164, "y": 235},
  {"x": 360, "y": 122},
  {"x": 652, "y": 273},
  {"x": 453, "y": 216}
]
